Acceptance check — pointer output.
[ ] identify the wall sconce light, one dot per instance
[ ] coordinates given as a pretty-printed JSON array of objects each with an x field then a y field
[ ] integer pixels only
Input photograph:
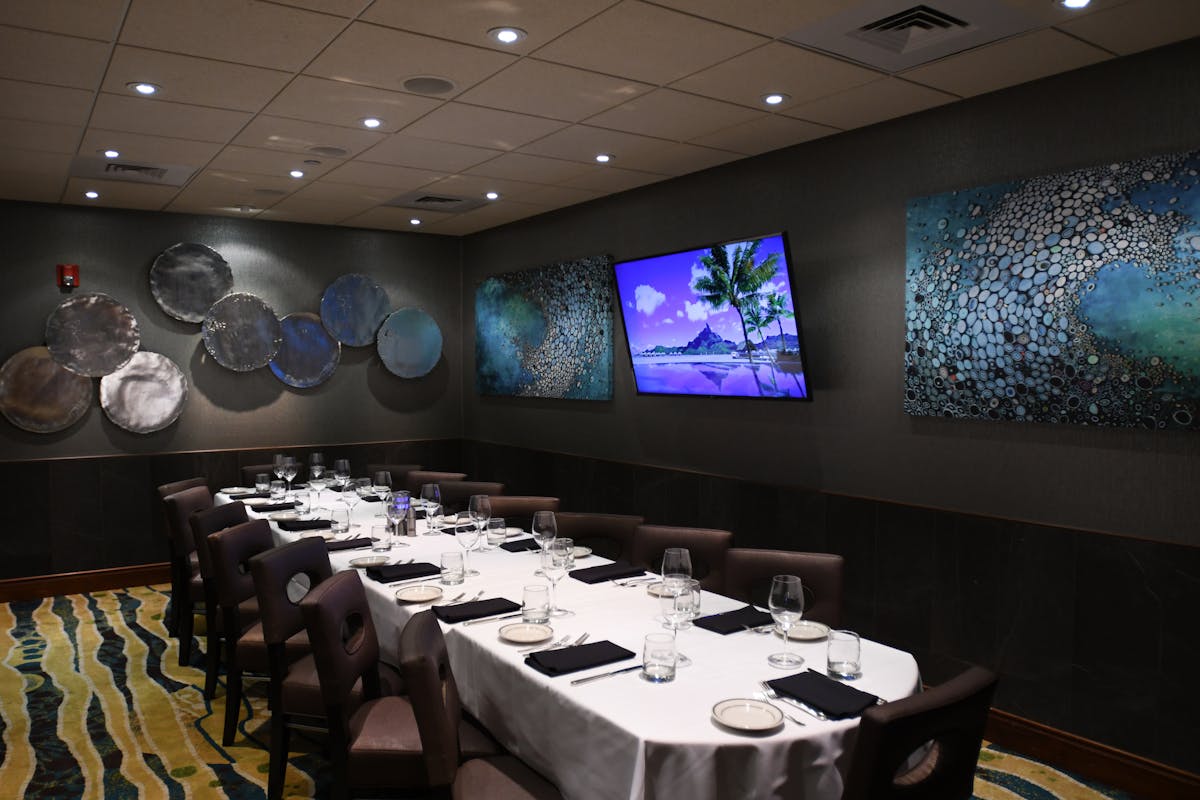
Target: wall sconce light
[{"x": 68, "y": 275}]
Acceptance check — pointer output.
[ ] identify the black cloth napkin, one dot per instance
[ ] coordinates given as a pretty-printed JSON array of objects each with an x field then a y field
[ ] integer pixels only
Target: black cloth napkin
[
  {"x": 520, "y": 545},
  {"x": 294, "y": 525},
  {"x": 372, "y": 498},
  {"x": 399, "y": 572},
  {"x": 248, "y": 495},
  {"x": 573, "y": 659},
  {"x": 265, "y": 507},
  {"x": 606, "y": 572},
  {"x": 835, "y": 699},
  {"x": 734, "y": 621},
  {"x": 348, "y": 544},
  {"x": 461, "y": 612}
]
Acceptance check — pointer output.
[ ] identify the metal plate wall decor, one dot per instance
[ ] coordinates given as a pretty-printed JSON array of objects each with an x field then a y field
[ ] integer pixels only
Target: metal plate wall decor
[
  {"x": 308, "y": 355},
  {"x": 92, "y": 334},
  {"x": 37, "y": 394},
  {"x": 352, "y": 309},
  {"x": 409, "y": 343},
  {"x": 241, "y": 332},
  {"x": 145, "y": 395},
  {"x": 187, "y": 278}
]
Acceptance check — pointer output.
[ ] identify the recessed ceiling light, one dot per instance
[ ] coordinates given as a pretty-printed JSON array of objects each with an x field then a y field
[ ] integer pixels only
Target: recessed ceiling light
[
  {"x": 507, "y": 35},
  {"x": 247, "y": 209},
  {"x": 774, "y": 99},
  {"x": 1074, "y": 4},
  {"x": 112, "y": 153},
  {"x": 91, "y": 195},
  {"x": 429, "y": 84},
  {"x": 492, "y": 195},
  {"x": 414, "y": 221},
  {"x": 144, "y": 88},
  {"x": 372, "y": 122},
  {"x": 297, "y": 173},
  {"x": 604, "y": 158}
]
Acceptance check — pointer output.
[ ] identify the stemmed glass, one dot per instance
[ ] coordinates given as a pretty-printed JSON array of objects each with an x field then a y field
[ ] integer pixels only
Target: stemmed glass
[
  {"x": 480, "y": 509},
  {"x": 787, "y": 607},
  {"x": 431, "y": 493},
  {"x": 676, "y": 564},
  {"x": 341, "y": 473},
  {"x": 354, "y": 494},
  {"x": 382, "y": 486},
  {"x": 396, "y": 510},
  {"x": 316, "y": 465},
  {"x": 678, "y": 600},
  {"x": 544, "y": 529},
  {"x": 277, "y": 462},
  {"x": 467, "y": 536},
  {"x": 556, "y": 560},
  {"x": 290, "y": 470}
]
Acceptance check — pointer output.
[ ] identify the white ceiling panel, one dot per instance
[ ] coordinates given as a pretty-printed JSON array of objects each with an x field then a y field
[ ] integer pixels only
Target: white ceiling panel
[
  {"x": 277, "y": 163},
  {"x": 518, "y": 166},
  {"x": 669, "y": 114},
  {"x": 1134, "y": 27},
  {"x": 403, "y": 150},
  {"x": 395, "y": 179},
  {"x": 773, "y": 18},
  {"x": 90, "y": 19},
  {"x": 348, "y": 104},
  {"x": 482, "y": 127},
  {"x": 48, "y": 58},
  {"x": 298, "y": 136},
  {"x": 49, "y": 137},
  {"x": 199, "y": 81},
  {"x": 32, "y": 175},
  {"x": 551, "y": 90},
  {"x": 160, "y": 118},
  {"x": 148, "y": 149},
  {"x": 118, "y": 194},
  {"x": 396, "y": 219},
  {"x": 771, "y": 132},
  {"x": 870, "y": 103},
  {"x": 44, "y": 103}
]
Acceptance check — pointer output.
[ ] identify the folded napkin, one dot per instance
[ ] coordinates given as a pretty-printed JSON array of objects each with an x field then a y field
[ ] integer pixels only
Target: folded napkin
[
  {"x": 304, "y": 524},
  {"x": 734, "y": 621},
  {"x": 399, "y": 572},
  {"x": 836, "y": 700},
  {"x": 461, "y": 612},
  {"x": 520, "y": 545},
  {"x": 606, "y": 572},
  {"x": 265, "y": 507},
  {"x": 248, "y": 495},
  {"x": 372, "y": 498},
  {"x": 573, "y": 659},
  {"x": 348, "y": 544}
]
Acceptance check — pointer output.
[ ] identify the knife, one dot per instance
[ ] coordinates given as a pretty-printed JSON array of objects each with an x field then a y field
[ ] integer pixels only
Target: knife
[
  {"x": 591, "y": 678},
  {"x": 491, "y": 619}
]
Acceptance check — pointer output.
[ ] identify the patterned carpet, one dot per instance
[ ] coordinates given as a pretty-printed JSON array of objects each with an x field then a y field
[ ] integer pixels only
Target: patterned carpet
[{"x": 99, "y": 681}]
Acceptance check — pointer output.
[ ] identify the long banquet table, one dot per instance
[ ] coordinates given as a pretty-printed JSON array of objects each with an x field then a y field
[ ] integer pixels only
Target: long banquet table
[{"x": 623, "y": 737}]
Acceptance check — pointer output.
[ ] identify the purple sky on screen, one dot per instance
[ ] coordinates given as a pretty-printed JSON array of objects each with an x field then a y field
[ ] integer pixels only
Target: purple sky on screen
[{"x": 659, "y": 306}]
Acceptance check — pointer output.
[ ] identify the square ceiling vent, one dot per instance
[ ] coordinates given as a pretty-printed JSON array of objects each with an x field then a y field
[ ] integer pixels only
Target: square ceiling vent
[
  {"x": 130, "y": 171},
  {"x": 436, "y": 201}
]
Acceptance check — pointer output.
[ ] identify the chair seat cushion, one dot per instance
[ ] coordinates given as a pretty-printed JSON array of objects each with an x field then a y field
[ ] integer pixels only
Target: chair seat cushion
[
  {"x": 385, "y": 745},
  {"x": 252, "y": 649},
  {"x": 301, "y": 689},
  {"x": 475, "y": 742},
  {"x": 503, "y": 778}
]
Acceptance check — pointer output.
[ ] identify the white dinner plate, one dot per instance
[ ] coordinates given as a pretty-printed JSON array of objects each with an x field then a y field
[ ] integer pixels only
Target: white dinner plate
[
  {"x": 654, "y": 589},
  {"x": 235, "y": 490},
  {"x": 808, "y": 631},
  {"x": 513, "y": 531},
  {"x": 254, "y": 502},
  {"x": 582, "y": 552},
  {"x": 285, "y": 516},
  {"x": 368, "y": 561},
  {"x": 418, "y": 594},
  {"x": 743, "y": 714},
  {"x": 322, "y": 533},
  {"x": 526, "y": 633}
]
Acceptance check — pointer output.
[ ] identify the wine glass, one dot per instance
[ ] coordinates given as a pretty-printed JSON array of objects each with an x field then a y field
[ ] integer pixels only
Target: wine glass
[
  {"x": 556, "y": 560},
  {"x": 480, "y": 509},
  {"x": 381, "y": 483},
  {"x": 676, "y": 564},
  {"x": 277, "y": 465},
  {"x": 431, "y": 493},
  {"x": 787, "y": 607},
  {"x": 467, "y": 536},
  {"x": 351, "y": 497},
  {"x": 396, "y": 510},
  {"x": 316, "y": 465},
  {"x": 544, "y": 530},
  {"x": 341, "y": 473},
  {"x": 679, "y": 599},
  {"x": 290, "y": 469}
]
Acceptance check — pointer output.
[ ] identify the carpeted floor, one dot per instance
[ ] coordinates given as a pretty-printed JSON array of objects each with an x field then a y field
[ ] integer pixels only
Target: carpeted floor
[{"x": 93, "y": 705}]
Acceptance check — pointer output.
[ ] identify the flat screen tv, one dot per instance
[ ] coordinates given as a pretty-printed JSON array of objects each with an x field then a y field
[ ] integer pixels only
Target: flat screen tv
[{"x": 718, "y": 320}]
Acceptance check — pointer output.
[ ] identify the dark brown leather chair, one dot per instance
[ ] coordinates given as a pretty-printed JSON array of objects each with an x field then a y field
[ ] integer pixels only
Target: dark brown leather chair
[
  {"x": 951, "y": 717},
  {"x": 399, "y": 472},
  {"x": 250, "y": 471},
  {"x": 608, "y": 535},
  {"x": 706, "y": 546},
  {"x": 203, "y": 524},
  {"x": 445, "y": 735},
  {"x": 517, "y": 509},
  {"x": 457, "y": 494},
  {"x": 414, "y": 480},
  {"x": 183, "y": 564},
  {"x": 748, "y": 575},
  {"x": 187, "y": 588},
  {"x": 178, "y": 486}
]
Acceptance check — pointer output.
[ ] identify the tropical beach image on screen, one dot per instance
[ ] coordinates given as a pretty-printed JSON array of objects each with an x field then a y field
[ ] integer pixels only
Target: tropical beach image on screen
[
  {"x": 1069, "y": 298},
  {"x": 717, "y": 320}
]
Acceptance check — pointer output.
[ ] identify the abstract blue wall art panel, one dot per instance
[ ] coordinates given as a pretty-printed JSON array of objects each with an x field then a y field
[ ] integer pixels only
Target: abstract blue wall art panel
[
  {"x": 546, "y": 332},
  {"x": 1070, "y": 298},
  {"x": 308, "y": 355},
  {"x": 409, "y": 343},
  {"x": 352, "y": 309}
]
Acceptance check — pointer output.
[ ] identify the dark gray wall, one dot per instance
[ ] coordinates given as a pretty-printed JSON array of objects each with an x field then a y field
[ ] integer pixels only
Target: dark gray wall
[
  {"x": 288, "y": 266},
  {"x": 842, "y": 201}
]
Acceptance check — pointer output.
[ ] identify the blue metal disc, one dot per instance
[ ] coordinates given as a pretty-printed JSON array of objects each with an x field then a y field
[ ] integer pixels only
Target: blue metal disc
[
  {"x": 352, "y": 308},
  {"x": 308, "y": 355},
  {"x": 410, "y": 343}
]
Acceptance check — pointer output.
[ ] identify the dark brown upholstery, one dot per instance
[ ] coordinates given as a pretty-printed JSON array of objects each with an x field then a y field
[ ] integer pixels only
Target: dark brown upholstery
[
  {"x": 457, "y": 494},
  {"x": 178, "y": 486},
  {"x": 203, "y": 523},
  {"x": 706, "y": 546},
  {"x": 186, "y": 591},
  {"x": 608, "y": 535},
  {"x": 748, "y": 575},
  {"x": 414, "y": 480},
  {"x": 503, "y": 778},
  {"x": 517, "y": 509},
  {"x": 399, "y": 473},
  {"x": 251, "y": 470},
  {"x": 951, "y": 716}
]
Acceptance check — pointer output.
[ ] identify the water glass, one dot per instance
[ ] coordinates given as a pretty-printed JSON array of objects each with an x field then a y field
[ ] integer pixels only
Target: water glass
[
  {"x": 497, "y": 532},
  {"x": 381, "y": 538},
  {"x": 535, "y": 604},
  {"x": 278, "y": 490},
  {"x": 844, "y": 655},
  {"x": 659, "y": 658},
  {"x": 452, "y": 568},
  {"x": 480, "y": 509},
  {"x": 680, "y": 603},
  {"x": 262, "y": 482},
  {"x": 314, "y": 502},
  {"x": 339, "y": 520}
]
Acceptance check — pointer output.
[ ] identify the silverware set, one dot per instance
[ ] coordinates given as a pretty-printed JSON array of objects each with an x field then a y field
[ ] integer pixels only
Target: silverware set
[
  {"x": 766, "y": 699},
  {"x": 791, "y": 701},
  {"x": 561, "y": 644},
  {"x": 635, "y": 581}
]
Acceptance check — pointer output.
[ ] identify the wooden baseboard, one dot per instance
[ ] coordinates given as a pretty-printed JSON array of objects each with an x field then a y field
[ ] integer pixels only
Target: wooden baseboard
[
  {"x": 1141, "y": 777},
  {"x": 38, "y": 586}
]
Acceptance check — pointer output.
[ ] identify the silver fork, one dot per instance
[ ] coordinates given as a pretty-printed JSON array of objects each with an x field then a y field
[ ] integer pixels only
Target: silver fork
[
  {"x": 454, "y": 599},
  {"x": 540, "y": 647},
  {"x": 791, "y": 701},
  {"x": 763, "y": 696},
  {"x": 635, "y": 581}
]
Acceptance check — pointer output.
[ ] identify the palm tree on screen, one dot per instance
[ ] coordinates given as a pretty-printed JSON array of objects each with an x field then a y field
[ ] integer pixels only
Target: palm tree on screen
[
  {"x": 777, "y": 311},
  {"x": 755, "y": 318},
  {"x": 735, "y": 281}
]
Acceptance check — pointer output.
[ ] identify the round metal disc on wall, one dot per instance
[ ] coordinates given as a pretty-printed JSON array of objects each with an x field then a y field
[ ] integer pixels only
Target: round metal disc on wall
[
  {"x": 92, "y": 334},
  {"x": 241, "y": 332},
  {"x": 187, "y": 278},
  {"x": 145, "y": 395},
  {"x": 38, "y": 395},
  {"x": 352, "y": 308},
  {"x": 409, "y": 343},
  {"x": 308, "y": 355}
]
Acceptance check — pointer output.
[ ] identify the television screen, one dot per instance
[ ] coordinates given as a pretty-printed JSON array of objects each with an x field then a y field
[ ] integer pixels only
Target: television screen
[{"x": 718, "y": 320}]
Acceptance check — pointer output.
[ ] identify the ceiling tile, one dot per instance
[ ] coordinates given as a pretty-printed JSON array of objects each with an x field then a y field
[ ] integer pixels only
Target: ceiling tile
[
  {"x": 185, "y": 79},
  {"x": 30, "y": 175},
  {"x": 44, "y": 103},
  {"x": 762, "y": 135},
  {"x": 486, "y": 217},
  {"x": 481, "y": 127},
  {"x": 185, "y": 203},
  {"x": 647, "y": 43},
  {"x": 559, "y": 196},
  {"x": 347, "y": 104},
  {"x": 298, "y": 136},
  {"x": 159, "y": 118},
  {"x": 395, "y": 219},
  {"x": 1137, "y": 26},
  {"x": 152, "y": 149},
  {"x": 773, "y": 18},
  {"x": 118, "y": 194},
  {"x": 777, "y": 67},
  {"x": 582, "y": 143},
  {"x": 409, "y": 151},
  {"x": 385, "y": 58},
  {"x": 93, "y": 19},
  {"x": 260, "y": 34},
  {"x": 48, "y": 58},
  {"x": 669, "y": 114},
  {"x": 395, "y": 179},
  {"x": 308, "y": 213},
  {"x": 340, "y": 8},
  {"x": 552, "y": 90},
  {"x": 870, "y": 103},
  {"x": 347, "y": 196},
  {"x": 475, "y": 187},
  {"x": 276, "y": 163},
  {"x": 1006, "y": 63},
  {"x": 608, "y": 180},
  {"x": 240, "y": 188},
  {"x": 49, "y": 137},
  {"x": 522, "y": 166}
]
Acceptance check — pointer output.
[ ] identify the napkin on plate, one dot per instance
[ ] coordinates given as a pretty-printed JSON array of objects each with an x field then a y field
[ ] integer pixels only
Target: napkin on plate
[
  {"x": 248, "y": 495},
  {"x": 294, "y": 525},
  {"x": 573, "y": 659},
  {"x": 734, "y": 621},
  {"x": 461, "y": 612},
  {"x": 835, "y": 699},
  {"x": 520, "y": 545},
  {"x": 348, "y": 544},
  {"x": 399, "y": 572},
  {"x": 265, "y": 507},
  {"x": 606, "y": 572}
]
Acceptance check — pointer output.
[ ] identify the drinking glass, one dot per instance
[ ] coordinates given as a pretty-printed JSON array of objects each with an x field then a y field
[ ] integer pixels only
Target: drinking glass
[
  {"x": 556, "y": 560},
  {"x": 341, "y": 472},
  {"x": 397, "y": 511},
  {"x": 676, "y": 564},
  {"x": 290, "y": 470},
  {"x": 659, "y": 658},
  {"x": 496, "y": 532},
  {"x": 480, "y": 509},
  {"x": 381, "y": 539},
  {"x": 452, "y": 568},
  {"x": 262, "y": 482},
  {"x": 467, "y": 536},
  {"x": 431, "y": 493},
  {"x": 680, "y": 601},
  {"x": 843, "y": 655},
  {"x": 316, "y": 465},
  {"x": 381, "y": 484},
  {"x": 544, "y": 530},
  {"x": 314, "y": 504},
  {"x": 277, "y": 465},
  {"x": 535, "y": 604},
  {"x": 787, "y": 607},
  {"x": 339, "y": 520},
  {"x": 278, "y": 490}
]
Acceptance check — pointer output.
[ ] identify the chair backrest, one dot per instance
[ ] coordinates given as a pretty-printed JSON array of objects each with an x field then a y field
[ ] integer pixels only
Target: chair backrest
[
  {"x": 748, "y": 575},
  {"x": 277, "y": 577},
  {"x": 344, "y": 644},
  {"x": 249, "y": 472},
  {"x": 608, "y": 535},
  {"x": 706, "y": 546},
  {"x": 231, "y": 551},
  {"x": 414, "y": 480},
  {"x": 178, "y": 486},
  {"x": 399, "y": 472},
  {"x": 434, "y": 695},
  {"x": 517, "y": 509},
  {"x": 457, "y": 494},
  {"x": 951, "y": 716},
  {"x": 179, "y": 507},
  {"x": 208, "y": 521}
]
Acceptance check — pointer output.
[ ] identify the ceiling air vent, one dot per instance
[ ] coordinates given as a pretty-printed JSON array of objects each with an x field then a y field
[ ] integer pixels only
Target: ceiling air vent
[
  {"x": 919, "y": 26},
  {"x": 130, "y": 171},
  {"x": 428, "y": 201}
]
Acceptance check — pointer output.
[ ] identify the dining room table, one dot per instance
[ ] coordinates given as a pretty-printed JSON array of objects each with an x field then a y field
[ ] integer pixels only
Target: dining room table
[{"x": 618, "y": 736}]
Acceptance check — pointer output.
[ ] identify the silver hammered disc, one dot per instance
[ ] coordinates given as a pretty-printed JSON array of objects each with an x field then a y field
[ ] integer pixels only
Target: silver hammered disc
[
  {"x": 145, "y": 395},
  {"x": 38, "y": 395},
  {"x": 352, "y": 309},
  {"x": 187, "y": 278},
  {"x": 308, "y": 355},
  {"x": 241, "y": 332},
  {"x": 410, "y": 343},
  {"x": 92, "y": 334}
]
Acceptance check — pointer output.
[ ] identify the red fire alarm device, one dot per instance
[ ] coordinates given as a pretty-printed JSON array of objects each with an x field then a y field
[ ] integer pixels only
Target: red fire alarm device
[{"x": 68, "y": 275}]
